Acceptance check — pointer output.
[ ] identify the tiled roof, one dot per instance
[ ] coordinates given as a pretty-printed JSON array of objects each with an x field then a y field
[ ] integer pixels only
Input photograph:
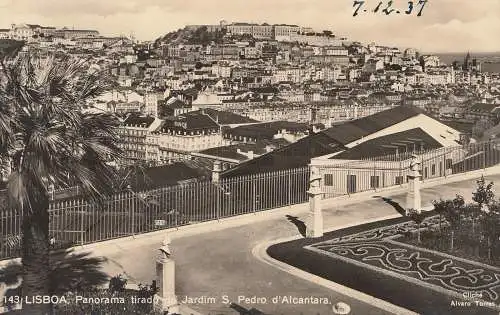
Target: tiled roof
[
  {"x": 224, "y": 118},
  {"x": 136, "y": 120},
  {"x": 166, "y": 175},
  {"x": 267, "y": 130},
  {"x": 193, "y": 121},
  {"x": 231, "y": 151},
  {"x": 175, "y": 104},
  {"x": 353, "y": 130},
  {"x": 297, "y": 154},
  {"x": 386, "y": 145},
  {"x": 483, "y": 107}
]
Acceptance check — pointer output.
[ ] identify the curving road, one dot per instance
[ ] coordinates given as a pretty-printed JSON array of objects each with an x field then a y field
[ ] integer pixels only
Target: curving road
[{"x": 220, "y": 264}]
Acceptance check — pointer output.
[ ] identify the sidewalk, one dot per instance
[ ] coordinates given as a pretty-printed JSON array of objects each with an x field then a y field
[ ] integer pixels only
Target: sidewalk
[{"x": 220, "y": 263}]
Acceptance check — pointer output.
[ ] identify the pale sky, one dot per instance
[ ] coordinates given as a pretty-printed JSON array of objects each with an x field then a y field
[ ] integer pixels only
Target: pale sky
[{"x": 445, "y": 25}]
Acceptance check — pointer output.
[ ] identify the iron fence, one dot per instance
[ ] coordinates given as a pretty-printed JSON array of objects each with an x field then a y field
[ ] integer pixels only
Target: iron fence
[
  {"x": 77, "y": 222},
  {"x": 342, "y": 177},
  {"x": 74, "y": 221}
]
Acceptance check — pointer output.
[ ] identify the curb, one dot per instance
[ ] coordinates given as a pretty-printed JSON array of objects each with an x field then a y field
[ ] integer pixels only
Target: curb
[{"x": 260, "y": 252}]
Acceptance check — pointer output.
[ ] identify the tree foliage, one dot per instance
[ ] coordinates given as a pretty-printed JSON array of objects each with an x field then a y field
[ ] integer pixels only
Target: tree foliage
[
  {"x": 480, "y": 127},
  {"x": 46, "y": 132},
  {"x": 484, "y": 193},
  {"x": 202, "y": 36}
]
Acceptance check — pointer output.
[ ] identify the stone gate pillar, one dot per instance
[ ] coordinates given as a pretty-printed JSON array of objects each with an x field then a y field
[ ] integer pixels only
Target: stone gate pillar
[
  {"x": 314, "y": 224},
  {"x": 165, "y": 299},
  {"x": 413, "y": 197}
]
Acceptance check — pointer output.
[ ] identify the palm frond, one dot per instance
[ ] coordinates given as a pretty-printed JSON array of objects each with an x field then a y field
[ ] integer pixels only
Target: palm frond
[{"x": 55, "y": 142}]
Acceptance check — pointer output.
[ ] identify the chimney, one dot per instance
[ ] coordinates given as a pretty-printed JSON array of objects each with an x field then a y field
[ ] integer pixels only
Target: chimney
[
  {"x": 216, "y": 171},
  {"x": 250, "y": 155}
]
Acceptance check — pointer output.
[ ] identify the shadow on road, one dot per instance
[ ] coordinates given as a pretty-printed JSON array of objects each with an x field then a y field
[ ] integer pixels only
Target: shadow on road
[
  {"x": 70, "y": 272},
  {"x": 394, "y": 204},
  {"x": 301, "y": 226}
]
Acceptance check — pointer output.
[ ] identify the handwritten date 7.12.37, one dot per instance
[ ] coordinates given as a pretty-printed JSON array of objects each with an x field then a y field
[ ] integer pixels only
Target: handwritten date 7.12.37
[{"x": 387, "y": 7}]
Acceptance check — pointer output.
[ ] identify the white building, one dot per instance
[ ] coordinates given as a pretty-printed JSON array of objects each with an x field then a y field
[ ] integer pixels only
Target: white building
[{"x": 395, "y": 134}]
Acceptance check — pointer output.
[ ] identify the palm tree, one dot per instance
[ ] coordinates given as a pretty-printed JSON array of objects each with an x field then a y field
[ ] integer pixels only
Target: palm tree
[{"x": 50, "y": 138}]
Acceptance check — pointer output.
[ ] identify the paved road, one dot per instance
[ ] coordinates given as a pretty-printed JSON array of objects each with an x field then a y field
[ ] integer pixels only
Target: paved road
[{"x": 221, "y": 263}]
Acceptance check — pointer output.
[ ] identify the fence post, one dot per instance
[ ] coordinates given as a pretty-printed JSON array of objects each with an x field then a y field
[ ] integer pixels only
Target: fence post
[
  {"x": 82, "y": 230},
  {"x": 217, "y": 169},
  {"x": 132, "y": 221},
  {"x": 253, "y": 192},
  {"x": 348, "y": 181},
  {"x": 218, "y": 204},
  {"x": 484, "y": 156},
  {"x": 374, "y": 176},
  {"x": 401, "y": 173},
  {"x": 423, "y": 168},
  {"x": 445, "y": 166}
]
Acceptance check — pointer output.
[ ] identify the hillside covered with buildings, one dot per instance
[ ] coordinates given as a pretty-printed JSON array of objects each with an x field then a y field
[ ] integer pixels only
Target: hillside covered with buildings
[{"x": 237, "y": 92}]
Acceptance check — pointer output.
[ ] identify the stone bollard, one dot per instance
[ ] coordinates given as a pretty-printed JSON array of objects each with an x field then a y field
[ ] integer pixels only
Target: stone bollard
[{"x": 165, "y": 299}]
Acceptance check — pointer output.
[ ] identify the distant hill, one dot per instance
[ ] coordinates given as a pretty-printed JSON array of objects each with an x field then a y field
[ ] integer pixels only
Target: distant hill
[{"x": 192, "y": 36}]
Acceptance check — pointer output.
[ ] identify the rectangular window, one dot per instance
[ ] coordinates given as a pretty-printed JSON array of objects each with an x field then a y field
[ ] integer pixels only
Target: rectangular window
[
  {"x": 374, "y": 181},
  {"x": 449, "y": 163},
  {"x": 433, "y": 169},
  {"x": 351, "y": 184},
  {"x": 328, "y": 179},
  {"x": 426, "y": 172},
  {"x": 399, "y": 180}
]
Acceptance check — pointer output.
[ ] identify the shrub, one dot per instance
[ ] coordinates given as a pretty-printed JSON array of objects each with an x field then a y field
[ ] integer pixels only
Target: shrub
[
  {"x": 119, "y": 303},
  {"x": 116, "y": 300},
  {"x": 117, "y": 283},
  {"x": 484, "y": 192}
]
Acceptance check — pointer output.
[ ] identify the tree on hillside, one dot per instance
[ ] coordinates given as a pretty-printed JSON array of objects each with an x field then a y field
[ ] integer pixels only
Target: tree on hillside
[
  {"x": 50, "y": 140},
  {"x": 480, "y": 127},
  {"x": 9, "y": 47}
]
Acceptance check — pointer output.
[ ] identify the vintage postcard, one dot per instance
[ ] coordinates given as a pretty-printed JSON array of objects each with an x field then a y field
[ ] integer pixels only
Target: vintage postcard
[{"x": 278, "y": 157}]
